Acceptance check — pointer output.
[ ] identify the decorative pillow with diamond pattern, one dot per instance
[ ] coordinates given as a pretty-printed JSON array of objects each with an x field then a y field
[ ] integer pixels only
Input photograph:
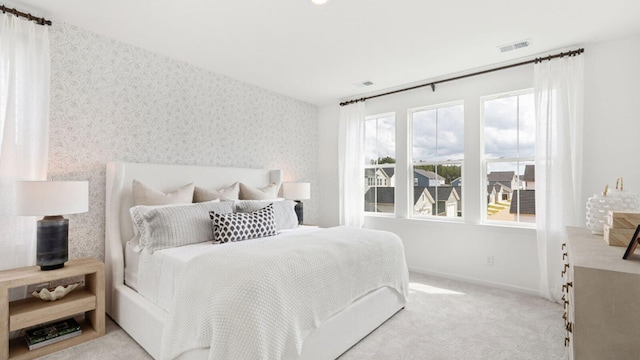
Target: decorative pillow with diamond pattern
[{"x": 243, "y": 226}]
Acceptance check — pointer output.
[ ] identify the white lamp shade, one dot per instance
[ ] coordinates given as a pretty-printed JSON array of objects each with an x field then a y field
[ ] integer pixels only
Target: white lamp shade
[
  {"x": 296, "y": 191},
  {"x": 51, "y": 198}
]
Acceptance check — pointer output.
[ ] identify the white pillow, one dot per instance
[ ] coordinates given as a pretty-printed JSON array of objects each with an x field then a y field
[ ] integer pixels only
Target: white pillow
[
  {"x": 162, "y": 227},
  {"x": 145, "y": 195},
  {"x": 139, "y": 227},
  {"x": 224, "y": 194},
  {"x": 283, "y": 211},
  {"x": 250, "y": 193}
]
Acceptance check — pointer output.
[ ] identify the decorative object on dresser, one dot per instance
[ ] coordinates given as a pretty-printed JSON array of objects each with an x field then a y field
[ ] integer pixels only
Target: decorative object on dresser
[
  {"x": 599, "y": 206},
  {"x": 632, "y": 244},
  {"x": 620, "y": 226},
  {"x": 599, "y": 290},
  {"x": 51, "y": 199},
  {"x": 297, "y": 192},
  {"x": 87, "y": 302}
]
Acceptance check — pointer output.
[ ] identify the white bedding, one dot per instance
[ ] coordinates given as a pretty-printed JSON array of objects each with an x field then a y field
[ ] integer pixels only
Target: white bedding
[
  {"x": 259, "y": 299},
  {"x": 153, "y": 275}
]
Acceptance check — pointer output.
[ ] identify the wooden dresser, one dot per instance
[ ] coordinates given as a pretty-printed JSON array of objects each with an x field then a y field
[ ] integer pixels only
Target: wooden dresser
[{"x": 602, "y": 299}]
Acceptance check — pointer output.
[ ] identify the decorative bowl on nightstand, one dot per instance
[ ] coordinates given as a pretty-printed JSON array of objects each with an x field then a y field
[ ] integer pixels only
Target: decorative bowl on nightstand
[{"x": 58, "y": 293}]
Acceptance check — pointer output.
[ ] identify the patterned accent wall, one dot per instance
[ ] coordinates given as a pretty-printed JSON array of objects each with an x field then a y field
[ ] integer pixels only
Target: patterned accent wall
[{"x": 112, "y": 101}]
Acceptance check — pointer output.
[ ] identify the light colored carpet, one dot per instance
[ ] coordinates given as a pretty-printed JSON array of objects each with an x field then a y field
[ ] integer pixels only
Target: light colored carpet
[{"x": 443, "y": 319}]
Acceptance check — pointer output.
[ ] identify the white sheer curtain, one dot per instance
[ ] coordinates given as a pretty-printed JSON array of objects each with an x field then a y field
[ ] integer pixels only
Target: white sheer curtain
[
  {"x": 351, "y": 164},
  {"x": 558, "y": 88},
  {"x": 24, "y": 129}
]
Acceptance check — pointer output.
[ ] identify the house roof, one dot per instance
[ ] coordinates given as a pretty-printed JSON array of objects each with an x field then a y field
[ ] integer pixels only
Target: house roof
[
  {"x": 498, "y": 186},
  {"x": 529, "y": 173},
  {"x": 527, "y": 200},
  {"x": 443, "y": 192},
  {"x": 385, "y": 195},
  {"x": 498, "y": 176},
  {"x": 506, "y": 184},
  {"x": 428, "y": 174},
  {"x": 389, "y": 171},
  {"x": 370, "y": 172},
  {"x": 417, "y": 192}
]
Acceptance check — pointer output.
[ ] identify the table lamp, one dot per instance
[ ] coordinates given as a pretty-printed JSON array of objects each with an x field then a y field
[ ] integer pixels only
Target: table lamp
[
  {"x": 51, "y": 199},
  {"x": 297, "y": 192}
]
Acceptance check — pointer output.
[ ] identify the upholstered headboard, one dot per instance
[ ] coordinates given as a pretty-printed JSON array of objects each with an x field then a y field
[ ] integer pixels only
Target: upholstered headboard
[{"x": 118, "y": 227}]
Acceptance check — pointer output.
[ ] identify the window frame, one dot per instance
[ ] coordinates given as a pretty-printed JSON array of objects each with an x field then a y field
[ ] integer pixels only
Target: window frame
[
  {"x": 484, "y": 163},
  {"x": 375, "y": 167},
  {"x": 412, "y": 163}
]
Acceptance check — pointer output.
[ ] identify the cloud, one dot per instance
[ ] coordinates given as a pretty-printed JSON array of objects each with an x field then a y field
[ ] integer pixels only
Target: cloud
[
  {"x": 380, "y": 138},
  {"x": 438, "y": 134},
  {"x": 509, "y": 129}
]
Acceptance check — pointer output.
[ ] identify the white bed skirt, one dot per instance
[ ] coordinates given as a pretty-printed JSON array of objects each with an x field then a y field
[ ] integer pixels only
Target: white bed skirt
[{"x": 144, "y": 322}]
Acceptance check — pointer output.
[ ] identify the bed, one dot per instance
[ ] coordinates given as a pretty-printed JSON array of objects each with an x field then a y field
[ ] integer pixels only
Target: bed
[{"x": 147, "y": 319}]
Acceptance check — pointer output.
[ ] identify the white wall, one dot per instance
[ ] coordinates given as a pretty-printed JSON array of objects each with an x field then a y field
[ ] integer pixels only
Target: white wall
[
  {"x": 612, "y": 115},
  {"x": 112, "y": 101},
  {"x": 329, "y": 117},
  {"x": 460, "y": 249}
]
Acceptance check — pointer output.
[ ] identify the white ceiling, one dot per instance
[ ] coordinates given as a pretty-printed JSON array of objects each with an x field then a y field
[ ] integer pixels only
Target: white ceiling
[{"x": 316, "y": 53}]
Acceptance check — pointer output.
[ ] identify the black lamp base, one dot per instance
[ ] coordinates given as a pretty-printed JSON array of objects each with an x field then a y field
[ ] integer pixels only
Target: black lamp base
[
  {"x": 299, "y": 211},
  {"x": 53, "y": 243}
]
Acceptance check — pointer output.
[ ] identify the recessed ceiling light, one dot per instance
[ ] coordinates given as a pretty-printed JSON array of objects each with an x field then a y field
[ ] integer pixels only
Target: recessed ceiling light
[{"x": 319, "y": 2}]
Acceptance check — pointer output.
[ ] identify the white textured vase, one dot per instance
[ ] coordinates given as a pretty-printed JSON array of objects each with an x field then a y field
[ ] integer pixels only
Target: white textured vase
[
  {"x": 598, "y": 207},
  {"x": 630, "y": 201}
]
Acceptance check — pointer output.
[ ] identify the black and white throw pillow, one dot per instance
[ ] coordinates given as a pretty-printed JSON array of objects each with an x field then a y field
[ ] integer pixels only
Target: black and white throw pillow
[
  {"x": 283, "y": 211},
  {"x": 243, "y": 226}
]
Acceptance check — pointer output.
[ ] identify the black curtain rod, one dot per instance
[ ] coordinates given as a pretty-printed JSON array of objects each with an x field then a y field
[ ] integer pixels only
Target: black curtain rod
[
  {"x": 433, "y": 84},
  {"x": 38, "y": 20}
]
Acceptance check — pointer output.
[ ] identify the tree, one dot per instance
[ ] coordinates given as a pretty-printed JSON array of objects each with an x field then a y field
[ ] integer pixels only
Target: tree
[
  {"x": 383, "y": 160},
  {"x": 448, "y": 172}
]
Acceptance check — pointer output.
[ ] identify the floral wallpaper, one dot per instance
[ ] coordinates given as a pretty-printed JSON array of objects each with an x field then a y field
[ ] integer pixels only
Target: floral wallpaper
[{"x": 112, "y": 101}]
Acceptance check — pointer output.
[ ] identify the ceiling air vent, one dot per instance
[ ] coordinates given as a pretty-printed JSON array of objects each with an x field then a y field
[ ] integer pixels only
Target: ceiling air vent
[{"x": 514, "y": 46}]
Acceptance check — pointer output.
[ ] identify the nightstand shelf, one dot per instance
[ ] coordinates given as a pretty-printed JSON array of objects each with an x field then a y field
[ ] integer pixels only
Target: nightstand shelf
[
  {"x": 25, "y": 313},
  {"x": 18, "y": 349}
]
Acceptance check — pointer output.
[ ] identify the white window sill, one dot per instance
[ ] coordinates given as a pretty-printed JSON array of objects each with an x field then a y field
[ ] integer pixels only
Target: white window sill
[{"x": 502, "y": 227}]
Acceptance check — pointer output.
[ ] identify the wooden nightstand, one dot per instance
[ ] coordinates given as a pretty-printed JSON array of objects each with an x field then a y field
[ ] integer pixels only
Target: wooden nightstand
[{"x": 21, "y": 314}]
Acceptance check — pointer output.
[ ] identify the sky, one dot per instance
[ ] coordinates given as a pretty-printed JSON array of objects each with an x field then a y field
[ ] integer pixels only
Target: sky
[
  {"x": 438, "y": 134},
  {"x": 380, "y": 138},
  {"x": 506, "y": 134}
]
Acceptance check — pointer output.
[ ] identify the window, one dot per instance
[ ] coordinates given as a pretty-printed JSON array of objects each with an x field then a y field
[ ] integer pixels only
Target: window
[
  {"x": 437, "y": 157},
  {"x": 380, "y": 160},
  {"x": 509, "y": 157}
]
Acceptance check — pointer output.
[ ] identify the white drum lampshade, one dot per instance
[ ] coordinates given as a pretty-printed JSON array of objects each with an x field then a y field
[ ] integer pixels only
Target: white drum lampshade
[
  {"x": 52, "y": 199},
  {"x": 297, "y": 192}
]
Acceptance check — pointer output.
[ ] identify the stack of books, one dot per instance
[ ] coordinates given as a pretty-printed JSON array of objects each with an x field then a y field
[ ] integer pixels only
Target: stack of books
[{"x": 52, "y": 333}]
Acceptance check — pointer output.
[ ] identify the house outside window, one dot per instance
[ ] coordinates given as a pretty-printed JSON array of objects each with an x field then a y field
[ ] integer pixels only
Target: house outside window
[
  {"x": 437, "y": 135},
  {"x": 509, "y": 157},
  {"x": 379, "y": 163}
]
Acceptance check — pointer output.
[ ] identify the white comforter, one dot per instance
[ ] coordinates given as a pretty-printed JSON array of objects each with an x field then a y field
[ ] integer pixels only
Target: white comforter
[{"x": 259, "y": 299}]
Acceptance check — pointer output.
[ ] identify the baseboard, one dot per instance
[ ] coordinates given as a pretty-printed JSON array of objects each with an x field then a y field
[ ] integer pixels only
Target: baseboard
[{"x": 476, "y": 281}]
